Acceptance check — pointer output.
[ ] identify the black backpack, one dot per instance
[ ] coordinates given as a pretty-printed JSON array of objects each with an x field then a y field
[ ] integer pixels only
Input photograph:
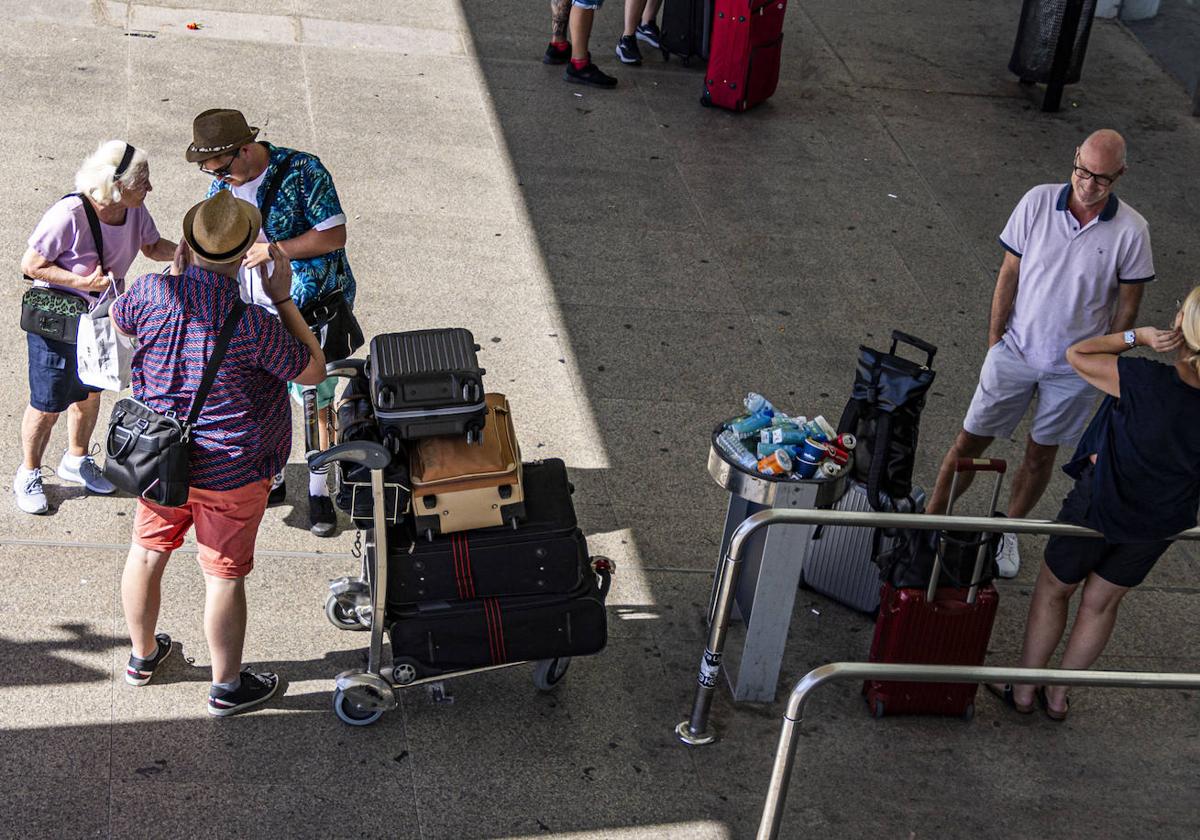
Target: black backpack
[
  {"x": 884, "y": 413},
  {"x": 356, "y": 421}
]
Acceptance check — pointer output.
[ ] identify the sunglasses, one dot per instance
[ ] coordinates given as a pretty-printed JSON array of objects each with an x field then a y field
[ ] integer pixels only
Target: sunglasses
[{"x": 220, "y": 174}]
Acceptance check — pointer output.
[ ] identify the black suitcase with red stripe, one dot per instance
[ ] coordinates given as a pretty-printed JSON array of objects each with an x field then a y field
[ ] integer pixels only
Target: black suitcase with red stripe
[
  {"x": 543, "y": 555},
  {"x": 439, "y": 637}
]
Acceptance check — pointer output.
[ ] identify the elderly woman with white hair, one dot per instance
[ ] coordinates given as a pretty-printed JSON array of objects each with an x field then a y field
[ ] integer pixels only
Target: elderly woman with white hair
[{"x": 111, "y": 186}]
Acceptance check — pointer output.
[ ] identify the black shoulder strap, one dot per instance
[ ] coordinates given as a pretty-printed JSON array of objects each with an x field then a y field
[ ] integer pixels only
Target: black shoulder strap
[
  {"x": 214, "y": 362},
  {"x": 281, "y": 169},
  {"x": 94, "y": 224}
]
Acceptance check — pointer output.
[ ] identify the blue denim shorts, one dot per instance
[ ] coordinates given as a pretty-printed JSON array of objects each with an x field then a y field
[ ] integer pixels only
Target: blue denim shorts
[
  {"x": 588, "y": 4},
  {"x": 53, "y": 376}
]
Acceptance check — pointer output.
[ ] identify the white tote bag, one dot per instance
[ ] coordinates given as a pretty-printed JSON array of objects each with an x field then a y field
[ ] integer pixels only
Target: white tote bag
[{"x": 103, "y": 354}]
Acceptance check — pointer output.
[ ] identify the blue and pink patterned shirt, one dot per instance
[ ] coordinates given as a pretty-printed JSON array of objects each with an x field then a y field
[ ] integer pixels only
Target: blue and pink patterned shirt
[{"x": 244, "y": 433}]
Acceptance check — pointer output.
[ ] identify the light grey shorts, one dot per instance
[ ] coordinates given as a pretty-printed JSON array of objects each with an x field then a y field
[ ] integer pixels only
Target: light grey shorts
[{"x": 1006, "y": 387}]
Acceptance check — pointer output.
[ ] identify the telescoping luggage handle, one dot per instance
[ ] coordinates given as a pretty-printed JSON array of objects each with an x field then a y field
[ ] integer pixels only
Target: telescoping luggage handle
[
  {"x": 925, "y": 347},
  {"x": 997, "y": 465}
]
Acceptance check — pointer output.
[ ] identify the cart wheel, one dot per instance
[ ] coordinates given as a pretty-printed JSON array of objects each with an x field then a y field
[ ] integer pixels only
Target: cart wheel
[
  {"x": 348, "y": 713},
  {"x": 547, "y": 673},
  {"x": 969, "y": 714},
  {"x": 341, "y": 616},
  {"x": 878, "y": 710}
]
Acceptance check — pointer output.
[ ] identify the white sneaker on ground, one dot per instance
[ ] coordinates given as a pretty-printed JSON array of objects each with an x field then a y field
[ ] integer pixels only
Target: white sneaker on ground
[
  {"x": 27, "y": 487},
  {"x": 85, "y": 472},
  {"x": 1008, "y": 558}
]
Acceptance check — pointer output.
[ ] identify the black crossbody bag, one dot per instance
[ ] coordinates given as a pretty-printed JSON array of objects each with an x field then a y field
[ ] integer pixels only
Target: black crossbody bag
[
  {"x": 329, "y": 315},
  {"x": 52, "y": 313},
  {"x": 149, "y": 454}
]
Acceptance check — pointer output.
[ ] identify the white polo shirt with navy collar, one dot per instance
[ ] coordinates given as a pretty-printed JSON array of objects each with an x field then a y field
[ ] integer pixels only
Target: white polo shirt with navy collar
[{"x": 1070, "y": 273}]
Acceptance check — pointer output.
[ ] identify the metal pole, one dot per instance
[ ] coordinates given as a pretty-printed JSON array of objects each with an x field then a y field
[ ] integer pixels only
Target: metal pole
[
  {"x": 695, "y": 730},
  {"x": 772, "y": 816},
  {"x": 377, "y": 548},
  {"x": 1061, "y": 65}
]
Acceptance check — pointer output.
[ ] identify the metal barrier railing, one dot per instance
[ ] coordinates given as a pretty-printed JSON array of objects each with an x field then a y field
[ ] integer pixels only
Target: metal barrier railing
[
  {"x": 785, "y": 753},
  {"x": 695, "y": 730}
]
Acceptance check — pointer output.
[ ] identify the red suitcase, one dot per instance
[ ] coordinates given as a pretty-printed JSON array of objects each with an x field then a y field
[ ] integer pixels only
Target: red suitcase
[
  {"x": 935, "y": 626},
  {"x": 743, "y": 62}
]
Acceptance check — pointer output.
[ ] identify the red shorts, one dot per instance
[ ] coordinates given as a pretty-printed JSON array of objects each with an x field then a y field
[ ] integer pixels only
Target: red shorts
[{"x": 226, "y": 526}]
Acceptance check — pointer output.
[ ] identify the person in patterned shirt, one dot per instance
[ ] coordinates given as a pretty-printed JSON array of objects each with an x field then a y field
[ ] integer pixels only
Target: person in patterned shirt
[
  {"x": 305, "y": 220},
  {"x": 241, "y": 438}
]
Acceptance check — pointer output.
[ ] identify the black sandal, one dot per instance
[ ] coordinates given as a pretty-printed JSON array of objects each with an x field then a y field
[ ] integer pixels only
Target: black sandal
[{"x": 1006, "y": 697}]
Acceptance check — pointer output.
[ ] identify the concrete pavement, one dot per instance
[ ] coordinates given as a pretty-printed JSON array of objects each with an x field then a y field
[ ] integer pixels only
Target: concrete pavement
[{"x": 632, "y": 264}]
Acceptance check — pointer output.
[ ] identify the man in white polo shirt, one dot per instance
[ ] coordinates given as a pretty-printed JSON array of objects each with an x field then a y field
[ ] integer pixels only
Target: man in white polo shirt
[{"x": 1076, "y": 262}]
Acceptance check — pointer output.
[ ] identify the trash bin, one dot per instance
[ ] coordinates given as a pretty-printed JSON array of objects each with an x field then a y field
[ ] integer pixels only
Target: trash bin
[
  {"x": 1037, "y": 40},
  {"x": 771, "y": 566}
]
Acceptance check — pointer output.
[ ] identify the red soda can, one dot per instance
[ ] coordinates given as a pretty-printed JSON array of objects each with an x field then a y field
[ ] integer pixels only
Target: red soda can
[
  {"x": 836, "y": 454},
  {"x": 846, "y": 441}
]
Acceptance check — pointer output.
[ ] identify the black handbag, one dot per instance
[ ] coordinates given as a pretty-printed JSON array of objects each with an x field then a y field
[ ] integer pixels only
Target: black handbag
[
  {"x": 52, "y": 313},
  {"x": 149, "y": 454},
  {"x": 329, "y": 315}
]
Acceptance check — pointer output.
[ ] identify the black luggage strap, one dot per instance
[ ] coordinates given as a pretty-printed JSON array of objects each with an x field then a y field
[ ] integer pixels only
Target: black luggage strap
[{"x": 93, "y": 224}]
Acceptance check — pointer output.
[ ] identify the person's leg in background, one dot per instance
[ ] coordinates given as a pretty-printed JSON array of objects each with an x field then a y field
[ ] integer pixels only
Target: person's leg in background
[
  {"x": 77, "y": 464},
  {"x": 581, "y": 70},
  {"x": 636, "y": 14},
  {"x": 1045, "y": 624},
  {"x": 559, "y": 50}
]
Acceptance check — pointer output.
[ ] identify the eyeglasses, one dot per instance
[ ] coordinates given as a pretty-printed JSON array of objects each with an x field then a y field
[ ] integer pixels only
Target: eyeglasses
[
  {"x": 220, "y": 174},
  {"x": 1102, "y": 180}
]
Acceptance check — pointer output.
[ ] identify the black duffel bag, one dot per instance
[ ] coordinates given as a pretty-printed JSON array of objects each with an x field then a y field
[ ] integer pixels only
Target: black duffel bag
[
  {"x": 909, "y": 563},
  {"x": 149, "y": 454},
  {"x": 356, "y": 421},
  {"x": 884, "y": 413}
]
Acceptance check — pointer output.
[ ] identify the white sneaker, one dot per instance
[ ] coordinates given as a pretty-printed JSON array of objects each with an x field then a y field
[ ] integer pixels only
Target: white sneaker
[
  {"x": 87, "y": 473},
  {"x": 1008, "y": 558},
  {"x": 27, "y": 487}
]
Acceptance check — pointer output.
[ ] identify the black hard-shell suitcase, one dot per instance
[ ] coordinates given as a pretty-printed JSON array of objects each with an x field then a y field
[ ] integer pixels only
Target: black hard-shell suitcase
[
  {"x": 426, "y": 383},
  {"x": 438, "y": 637},
  {"x": 686, "y": 28},
  {"x": 542, "y": 555}
]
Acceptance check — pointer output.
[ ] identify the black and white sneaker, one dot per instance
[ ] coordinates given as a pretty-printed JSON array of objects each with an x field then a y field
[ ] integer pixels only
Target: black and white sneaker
[
  {"x": 139, "y": 671},
  {"x": 278, "y": 494},
  {"x": 322, "y": 518},
  {"x": 648, "y": 33},
  {"x": 627, "y": 50},
  {"x": 253, "y": 690}
]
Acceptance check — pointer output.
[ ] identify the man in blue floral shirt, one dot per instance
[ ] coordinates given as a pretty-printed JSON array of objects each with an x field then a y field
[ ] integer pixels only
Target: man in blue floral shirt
[{"x": 304, "y": 219}]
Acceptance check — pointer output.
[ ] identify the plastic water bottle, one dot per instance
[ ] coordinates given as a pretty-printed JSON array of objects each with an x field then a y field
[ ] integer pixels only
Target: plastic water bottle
[
  {"x": 757, "y": 402},
  {"x": 746, "y": 426},
  {"x": 730, "y": 444}
]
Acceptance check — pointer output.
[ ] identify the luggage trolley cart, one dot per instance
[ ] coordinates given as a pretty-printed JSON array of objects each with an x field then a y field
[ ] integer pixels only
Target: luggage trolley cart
[{"x": 362, "y": 696}]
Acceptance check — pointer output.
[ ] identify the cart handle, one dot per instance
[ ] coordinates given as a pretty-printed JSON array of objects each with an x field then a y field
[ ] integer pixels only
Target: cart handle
[
  {"x": 346, "y": 368},
  {"x": 980, "y": 465},
  {"x": 366, "y": 453}
]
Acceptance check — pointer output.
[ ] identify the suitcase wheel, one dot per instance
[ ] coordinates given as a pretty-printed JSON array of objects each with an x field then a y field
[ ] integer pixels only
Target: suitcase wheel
[
  {"x": 349, "y": 713},
  {"x": 341, "y": 614},
  {"x": 547, "y": 673},
  {"x": 705, "y": 100},
  {"x": 877, "y": 711},
  {"x": 969, "y": 714}
]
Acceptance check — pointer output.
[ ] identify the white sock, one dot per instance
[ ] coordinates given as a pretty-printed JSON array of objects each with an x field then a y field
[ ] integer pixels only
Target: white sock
[
  {"x": 233, "y": 686},
  {"x": 24, "y": 473},
  {"x": 317, "y": 485},
  {"x": 276, "y": 480},
  {"x": 72, "y": 461}
]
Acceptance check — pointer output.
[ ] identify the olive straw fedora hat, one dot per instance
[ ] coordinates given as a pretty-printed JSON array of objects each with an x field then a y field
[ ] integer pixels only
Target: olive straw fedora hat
[
  {"x": 222, "y": 228},
  {"x": 218, "y": 131}
]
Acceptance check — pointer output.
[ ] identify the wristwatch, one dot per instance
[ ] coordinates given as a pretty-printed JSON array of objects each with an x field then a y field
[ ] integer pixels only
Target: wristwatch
[{"x": 1131, "y": 338}]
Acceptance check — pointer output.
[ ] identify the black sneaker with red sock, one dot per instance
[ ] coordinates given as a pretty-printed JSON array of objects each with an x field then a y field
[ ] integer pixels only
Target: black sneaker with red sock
[
  {"x": 583, "y": 72},
  {"x": 557, "y": 53}
]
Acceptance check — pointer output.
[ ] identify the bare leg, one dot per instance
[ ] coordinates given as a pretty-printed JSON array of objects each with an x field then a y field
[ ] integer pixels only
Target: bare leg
[
  {"x": 81, "y": 422},
  {"x": 323, "y": 426},
  {"x": 1031, "y": 479},
  {"x": 141, "y": 596},
  {"x": 225, "y": 625},
  {"x": 1044, "y": 626},
  {"x": 966, "y": 445},
  {"x": 633, "y": 14},
  {"x": 1090, "y": 633},
  {"x": 35, "y": 434},
  {"x": 560, "y": 15},
  {"x": 581, "y": 31},
  {"x": 651, "y": 11}
]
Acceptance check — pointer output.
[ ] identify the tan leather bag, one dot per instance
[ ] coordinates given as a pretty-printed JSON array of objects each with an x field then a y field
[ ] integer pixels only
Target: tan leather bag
[{"x": 459, "y": 486}]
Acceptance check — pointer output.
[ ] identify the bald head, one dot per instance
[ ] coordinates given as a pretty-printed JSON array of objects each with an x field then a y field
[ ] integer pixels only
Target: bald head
[{"x": 1104, "y": 150}]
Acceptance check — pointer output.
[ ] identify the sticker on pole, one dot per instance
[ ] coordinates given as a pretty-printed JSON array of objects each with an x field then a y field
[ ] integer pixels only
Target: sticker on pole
[{"x": 710, "y": 668}]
